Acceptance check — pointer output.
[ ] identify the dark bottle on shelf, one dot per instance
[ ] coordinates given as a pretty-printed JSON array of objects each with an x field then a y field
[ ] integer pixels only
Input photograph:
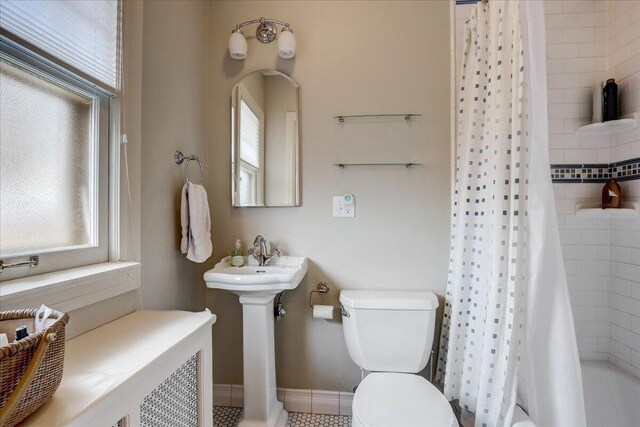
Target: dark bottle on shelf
[{"x": 610, "y": 101}]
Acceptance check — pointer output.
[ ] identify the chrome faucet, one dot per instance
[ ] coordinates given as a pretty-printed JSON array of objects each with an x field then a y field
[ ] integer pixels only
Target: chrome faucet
[{"x": 260, "y": 252}]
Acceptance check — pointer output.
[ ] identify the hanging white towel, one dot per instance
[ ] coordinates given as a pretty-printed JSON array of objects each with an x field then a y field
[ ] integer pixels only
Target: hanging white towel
[
  {"x": 184, "y": 220},
  {"x": 196, "y": 223}
]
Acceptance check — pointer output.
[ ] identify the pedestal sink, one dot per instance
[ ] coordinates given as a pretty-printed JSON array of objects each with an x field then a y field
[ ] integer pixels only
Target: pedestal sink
[{"x": 257, "y": 286}]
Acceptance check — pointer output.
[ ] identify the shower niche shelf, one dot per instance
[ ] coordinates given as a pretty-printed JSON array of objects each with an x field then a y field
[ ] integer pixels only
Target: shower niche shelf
[
  {"x": 593, "y": 210},
  {"x": 610, "y": 127}
]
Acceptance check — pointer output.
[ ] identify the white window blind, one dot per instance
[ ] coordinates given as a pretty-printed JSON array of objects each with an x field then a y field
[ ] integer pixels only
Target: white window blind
[
  {"x": 82, "y": 33},
  {"x": 249, "y": 135}
]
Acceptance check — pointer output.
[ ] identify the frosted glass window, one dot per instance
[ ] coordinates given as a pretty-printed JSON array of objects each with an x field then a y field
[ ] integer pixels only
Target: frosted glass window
[
  {"x": 82, "y": 33},
  {"x": 48, "y": 157}
]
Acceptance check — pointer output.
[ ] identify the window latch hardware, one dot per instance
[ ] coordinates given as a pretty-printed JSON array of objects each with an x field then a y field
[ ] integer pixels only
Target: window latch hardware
[{"x": 33, "y": 262}]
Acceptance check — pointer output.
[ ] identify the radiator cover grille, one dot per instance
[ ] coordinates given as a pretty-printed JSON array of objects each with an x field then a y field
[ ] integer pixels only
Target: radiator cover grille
[{"x": 174, "y": 403}]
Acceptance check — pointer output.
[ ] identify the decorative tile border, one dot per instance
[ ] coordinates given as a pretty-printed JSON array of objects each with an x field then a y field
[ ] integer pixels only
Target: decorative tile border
[{"x": 625, "y": 170}]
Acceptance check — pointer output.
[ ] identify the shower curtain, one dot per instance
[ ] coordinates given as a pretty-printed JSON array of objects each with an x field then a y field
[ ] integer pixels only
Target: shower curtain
[{"x": 507, "y": 334}]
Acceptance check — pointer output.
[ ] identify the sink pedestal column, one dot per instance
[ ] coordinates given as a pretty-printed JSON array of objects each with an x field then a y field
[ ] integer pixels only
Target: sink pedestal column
[{"x": 261, "y": 406}]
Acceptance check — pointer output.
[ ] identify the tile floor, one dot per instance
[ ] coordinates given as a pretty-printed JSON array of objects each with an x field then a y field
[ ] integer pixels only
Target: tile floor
[{"x": 224, "y": 416}]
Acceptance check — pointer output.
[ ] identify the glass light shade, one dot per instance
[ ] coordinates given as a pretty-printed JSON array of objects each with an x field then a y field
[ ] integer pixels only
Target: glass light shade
[
  {"x": 237, "y": 46},
  {"x": 286, "y": 44}
]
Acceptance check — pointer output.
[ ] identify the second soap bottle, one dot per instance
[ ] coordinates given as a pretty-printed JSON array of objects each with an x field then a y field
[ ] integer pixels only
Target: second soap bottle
[{"x": 237, "y": 257}]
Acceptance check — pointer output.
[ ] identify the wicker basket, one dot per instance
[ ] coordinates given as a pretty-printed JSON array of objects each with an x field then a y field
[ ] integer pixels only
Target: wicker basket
[{"x": 30, "y": 369}]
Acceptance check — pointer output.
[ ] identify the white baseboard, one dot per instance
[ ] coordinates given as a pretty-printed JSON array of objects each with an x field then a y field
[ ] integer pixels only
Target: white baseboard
[
  {"x": 294, "y": 400},
  {"x": 237, "y": 396}
]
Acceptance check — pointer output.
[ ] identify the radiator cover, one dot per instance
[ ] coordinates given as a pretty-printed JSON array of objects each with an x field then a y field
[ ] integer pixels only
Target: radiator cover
[{"x": 174, "y": 403}]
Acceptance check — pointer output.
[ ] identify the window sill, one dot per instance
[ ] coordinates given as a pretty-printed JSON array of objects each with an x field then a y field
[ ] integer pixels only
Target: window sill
[{"x": 68, "y": 290}]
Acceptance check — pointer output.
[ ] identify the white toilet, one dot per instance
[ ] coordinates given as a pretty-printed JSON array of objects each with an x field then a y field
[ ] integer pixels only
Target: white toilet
[{"x": 390, "y": 334}]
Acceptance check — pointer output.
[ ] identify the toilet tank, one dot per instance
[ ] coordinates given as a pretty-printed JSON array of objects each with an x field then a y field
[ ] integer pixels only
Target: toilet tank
[{"x": 389, "y": 331}]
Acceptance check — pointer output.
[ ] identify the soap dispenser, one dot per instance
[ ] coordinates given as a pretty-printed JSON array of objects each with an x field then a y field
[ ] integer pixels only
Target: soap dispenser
[{"x": 237, "y": 257}]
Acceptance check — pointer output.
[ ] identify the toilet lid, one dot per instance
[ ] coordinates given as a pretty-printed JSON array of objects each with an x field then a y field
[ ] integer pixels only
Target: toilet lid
[{"x": 400, "y": 400}]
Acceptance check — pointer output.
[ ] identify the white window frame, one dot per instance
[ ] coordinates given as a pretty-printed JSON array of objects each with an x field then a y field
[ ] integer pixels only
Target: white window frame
[
  {"x": 76, "y": 288},
  {"x": 107, "y": 200},
  {"x": 291, "y": 152},
  {"x": 252, "y": 172}
]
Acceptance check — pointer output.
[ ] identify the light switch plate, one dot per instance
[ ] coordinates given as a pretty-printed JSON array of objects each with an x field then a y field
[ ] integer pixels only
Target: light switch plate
[{"x": 344, "y": 206}]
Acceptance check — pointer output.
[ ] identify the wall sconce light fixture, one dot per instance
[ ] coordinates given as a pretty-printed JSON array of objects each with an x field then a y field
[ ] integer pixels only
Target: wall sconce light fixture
[{"x": 265, "y": 33}]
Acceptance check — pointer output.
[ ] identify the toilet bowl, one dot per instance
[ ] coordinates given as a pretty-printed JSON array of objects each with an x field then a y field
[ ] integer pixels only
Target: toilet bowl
[
  {"x": 390, "y": 333},
  {"x": 400, "y": 400}
]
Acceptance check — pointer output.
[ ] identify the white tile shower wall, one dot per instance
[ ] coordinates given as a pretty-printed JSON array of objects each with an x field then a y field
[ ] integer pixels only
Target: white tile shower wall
[
  {"x": 576, "y": 60},
  {"x": 589, "y": 41},
  {"x": 623, "y": 19},
  {"x": 624, "y": 66},
  {"x": 585, "y": 249},
  {"x": 625, "y": 292}
]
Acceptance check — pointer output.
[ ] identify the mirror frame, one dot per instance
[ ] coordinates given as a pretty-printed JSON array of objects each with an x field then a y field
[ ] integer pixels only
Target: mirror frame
[{"x": 235, "y": 147}]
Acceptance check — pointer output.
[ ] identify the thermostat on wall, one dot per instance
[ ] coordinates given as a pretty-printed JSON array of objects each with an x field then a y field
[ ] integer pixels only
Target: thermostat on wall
[{"x": 344, "y": 206}]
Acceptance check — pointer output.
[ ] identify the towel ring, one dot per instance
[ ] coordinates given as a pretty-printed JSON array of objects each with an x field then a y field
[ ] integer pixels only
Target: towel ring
[
  {"x": 185, "y": 169},
  {"x": 180, "y": 158}
]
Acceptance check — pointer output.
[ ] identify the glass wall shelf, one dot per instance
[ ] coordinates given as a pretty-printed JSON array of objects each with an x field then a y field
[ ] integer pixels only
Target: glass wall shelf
[
  {"x": 406, "y": 116},
  {"x": 406, "y": 165}
]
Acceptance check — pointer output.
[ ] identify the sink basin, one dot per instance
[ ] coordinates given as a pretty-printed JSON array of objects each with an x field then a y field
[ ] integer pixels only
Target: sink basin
[
  {"x": 285, "y": 274},
  {"x": 257, "y": 287}
]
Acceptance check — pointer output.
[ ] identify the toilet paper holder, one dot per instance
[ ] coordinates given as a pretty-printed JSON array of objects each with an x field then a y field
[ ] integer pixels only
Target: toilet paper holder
[{"x": 323, "y": 288}]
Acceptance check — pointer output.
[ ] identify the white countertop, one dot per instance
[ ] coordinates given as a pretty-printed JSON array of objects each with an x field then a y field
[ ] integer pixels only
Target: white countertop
[{"x": 100, "y": 360}]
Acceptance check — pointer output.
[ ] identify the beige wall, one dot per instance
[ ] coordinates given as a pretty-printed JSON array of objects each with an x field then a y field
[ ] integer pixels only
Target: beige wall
[
  {"x": 255, "y": 85},
  {"x": 131, "y": 124},
  {"x": 399, "y": 239},
  {"x": 165, "y": 81},
  {"x": 173, "y": 118}
]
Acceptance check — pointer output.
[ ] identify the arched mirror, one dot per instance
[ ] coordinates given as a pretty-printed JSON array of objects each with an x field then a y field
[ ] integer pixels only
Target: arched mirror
[{"x": 265, "y": 141}]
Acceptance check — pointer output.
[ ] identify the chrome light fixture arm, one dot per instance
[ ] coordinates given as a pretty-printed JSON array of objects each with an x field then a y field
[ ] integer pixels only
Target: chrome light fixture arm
[
  {"x": 266, "y": 32},
  {"x": 262, "y": 21}
]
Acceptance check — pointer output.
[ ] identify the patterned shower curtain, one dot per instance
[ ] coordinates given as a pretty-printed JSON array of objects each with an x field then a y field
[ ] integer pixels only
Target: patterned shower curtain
[
  {"x": 508, "y": 330},
  {"x": 483, "y": 315}
]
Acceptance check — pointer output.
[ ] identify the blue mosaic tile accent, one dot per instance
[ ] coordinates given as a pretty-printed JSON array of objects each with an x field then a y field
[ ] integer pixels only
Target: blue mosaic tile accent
[{"x": 625, "y": 170}]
